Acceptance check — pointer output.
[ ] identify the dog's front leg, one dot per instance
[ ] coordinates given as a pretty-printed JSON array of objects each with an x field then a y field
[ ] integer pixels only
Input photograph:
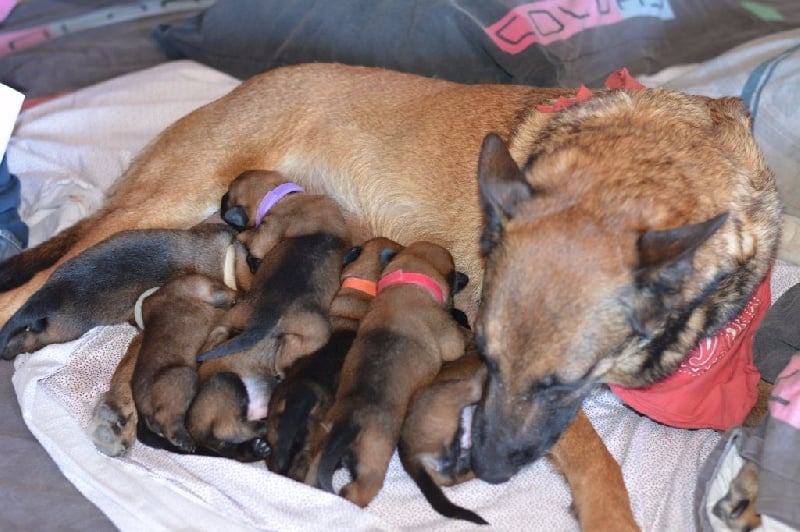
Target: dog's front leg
[{"x": 599, "y": 495}]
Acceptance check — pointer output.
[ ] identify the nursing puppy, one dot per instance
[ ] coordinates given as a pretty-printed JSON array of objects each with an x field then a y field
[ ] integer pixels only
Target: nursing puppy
[
  {"x": 177, "y": 319},
  {"x": 403, "y": 339},
  {"x": 299, "y": 403},
  {"x": 101, "y": 285},
  {"x": 434, "y": 446},
  {"x": 297, "y": 251},
  {"x": 622, "y": 229}
]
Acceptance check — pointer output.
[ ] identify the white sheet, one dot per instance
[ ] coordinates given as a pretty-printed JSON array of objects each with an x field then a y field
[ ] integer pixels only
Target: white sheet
[{"x": 67, "y": 153}]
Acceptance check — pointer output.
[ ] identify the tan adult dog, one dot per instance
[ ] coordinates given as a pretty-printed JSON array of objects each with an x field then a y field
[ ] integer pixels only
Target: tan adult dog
[
  {"x": 587, "y": 212},
  {"x": 403, "y": 339}
]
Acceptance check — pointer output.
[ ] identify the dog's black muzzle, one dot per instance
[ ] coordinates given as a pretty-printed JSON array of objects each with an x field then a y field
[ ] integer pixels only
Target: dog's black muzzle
[{"x": 509, "y": 433}]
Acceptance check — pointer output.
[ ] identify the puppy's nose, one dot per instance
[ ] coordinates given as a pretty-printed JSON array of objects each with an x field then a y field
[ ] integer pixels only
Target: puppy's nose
[{"x": 235, "y": 216}]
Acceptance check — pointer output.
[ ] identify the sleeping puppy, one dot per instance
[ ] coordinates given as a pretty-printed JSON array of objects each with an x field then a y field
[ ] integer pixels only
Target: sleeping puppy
[
  {"x": 101, "y": 285},
  {"x": 434, "y": 444},
  {"x": 251, "y": 195},
  {"x": 403, "y": 339},
  {"x": 299, "y": 403},
  {"x": 177, "y": 319},
  {"x": 284, "y": 316}
]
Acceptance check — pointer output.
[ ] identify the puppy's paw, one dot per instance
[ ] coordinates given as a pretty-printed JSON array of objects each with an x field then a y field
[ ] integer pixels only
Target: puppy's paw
[
  {"x": 113, "y": 426},
  {"x": 260, "y": 448},
  {"x": 737, "y": 508}
]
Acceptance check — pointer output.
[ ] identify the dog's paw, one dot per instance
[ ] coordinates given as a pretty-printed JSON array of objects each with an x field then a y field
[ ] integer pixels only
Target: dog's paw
[
  {"x": 737, "y": 508},
  {"x": 113, "y": 428}
]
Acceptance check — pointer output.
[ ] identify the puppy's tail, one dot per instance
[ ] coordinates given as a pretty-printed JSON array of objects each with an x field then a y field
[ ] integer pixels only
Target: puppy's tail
[
  {"x": 292, "y": 428},
  {"x": 249, "y": 338},
  {"x": 21, "y": 268},
  {"x": 438, "y": 500},
  {"x": 335, "y": 453}
]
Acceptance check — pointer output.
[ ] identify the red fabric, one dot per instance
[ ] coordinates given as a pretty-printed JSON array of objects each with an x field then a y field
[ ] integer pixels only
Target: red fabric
[
  {"x": 581, "y": 95},
  {"x": 716, "y": 385},
  {"x": 622, "y": 79}
]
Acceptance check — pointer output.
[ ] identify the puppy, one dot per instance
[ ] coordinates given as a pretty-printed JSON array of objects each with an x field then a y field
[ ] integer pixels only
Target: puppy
[
  {"x": 299, "y": 403},
  {"x": 252, "y": 194},
  {"x": 297, "y": 252},
  {"x": 435, "y": 442},
  {"x": 403, "y": 339},
  {"x": 177, "y": 319},
  {"x": 101, "y": 285}
]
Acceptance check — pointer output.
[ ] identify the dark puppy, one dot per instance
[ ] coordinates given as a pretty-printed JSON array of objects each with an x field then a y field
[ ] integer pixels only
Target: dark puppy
[
  {"x": 434, "y": 445},
  {"x": 177, "y": 319},
  {"x": 403, "y": 339},
  {"x": 101, "y": 285},
  {"x": 299, "y": 403},
  {"x": 298, "y": 251}
]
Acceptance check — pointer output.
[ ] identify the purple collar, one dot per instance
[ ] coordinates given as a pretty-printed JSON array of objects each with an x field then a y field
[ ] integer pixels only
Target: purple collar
[{"x": 274, "y": 196}]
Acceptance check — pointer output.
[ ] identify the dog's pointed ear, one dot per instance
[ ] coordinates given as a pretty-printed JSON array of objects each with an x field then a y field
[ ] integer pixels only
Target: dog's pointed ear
[
  {"x": 665, "y": 262},
  {"x": 351, "y": 255},
  {"x": 457, "y": 280},
  {"x": 502, "y": 188},
  {"x": 387, "y": 255},
  {"x": 661, "y": 248}
]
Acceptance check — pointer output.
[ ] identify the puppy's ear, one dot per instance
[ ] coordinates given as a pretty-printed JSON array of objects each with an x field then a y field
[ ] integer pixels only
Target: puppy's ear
[
  {"x": 461, "y": 317},
  {"x": 253, "y": 263},
  {"x": 235, "y": 216},
  {"x": 457, "y": 281},
  {"x": 502, "y": 189},
  {"x": 351, "y": 255},
  {"x": 387, "y": 255}
]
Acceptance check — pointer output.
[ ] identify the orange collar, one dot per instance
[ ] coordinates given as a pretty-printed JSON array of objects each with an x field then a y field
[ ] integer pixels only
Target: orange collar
[
  {"x": 362, "y": 285},
  {"x": 419, "y": 279}
]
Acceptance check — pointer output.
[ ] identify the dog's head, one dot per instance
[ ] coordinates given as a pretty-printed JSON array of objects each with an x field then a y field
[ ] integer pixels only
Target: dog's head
[
  {"x": 606, "y": 230},
  {"x": 241, "y": 201}
]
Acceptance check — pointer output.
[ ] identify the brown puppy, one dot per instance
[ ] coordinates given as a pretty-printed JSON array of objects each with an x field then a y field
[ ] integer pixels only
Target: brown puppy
[
  {"x": 403, "y": 339},
  {"x": 434, "y": 444},
  {"x": 620, "y": 178},
  {"x": 100, "y": 286},
  {"x": 300, "y": 402},
  {"x": 177, "y": 319},
  {"x": 298, "y": 249}
]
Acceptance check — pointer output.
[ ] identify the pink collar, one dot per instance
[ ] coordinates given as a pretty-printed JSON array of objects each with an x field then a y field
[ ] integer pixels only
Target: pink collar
[
  {"x": 274, "y": 196},
  {"x": 419, "y": 279}
]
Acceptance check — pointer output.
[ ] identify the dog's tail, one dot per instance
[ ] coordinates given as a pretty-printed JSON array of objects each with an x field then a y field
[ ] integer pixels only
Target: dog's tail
[
  {"x": 335, "y": 453},
  {"x": 21, "y": 268},
  {"x": 438, "y": 500},
  {"x": 292, "y": 428}
]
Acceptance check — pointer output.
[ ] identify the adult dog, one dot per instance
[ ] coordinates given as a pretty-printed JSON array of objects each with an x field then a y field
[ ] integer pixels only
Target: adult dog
[{"x": 613, "y": 234}]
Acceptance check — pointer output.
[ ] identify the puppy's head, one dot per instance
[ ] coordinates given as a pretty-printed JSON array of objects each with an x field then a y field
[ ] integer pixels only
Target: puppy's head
[
  {"x": 241, "y": 201},
  {"x": 366, "y": 261},
  {"x": 603, "y": 232},
  {"x": 429, "y": 259}
]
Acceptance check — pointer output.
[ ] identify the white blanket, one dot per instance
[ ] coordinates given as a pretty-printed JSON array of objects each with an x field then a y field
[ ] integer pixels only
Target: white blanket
[{"x": 67, "y": 153}]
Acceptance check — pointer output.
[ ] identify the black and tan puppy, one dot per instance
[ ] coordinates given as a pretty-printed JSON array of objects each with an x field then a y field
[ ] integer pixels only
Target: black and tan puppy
[
  {"x": 300, "y": 402},
  {"x": 177, "y": 319},
  {"x": 100, "y": 286},
  {"x": 403, "y": 339},
  {"x": 435, "y": 441},
  {"x": 297, "y": 251}
]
